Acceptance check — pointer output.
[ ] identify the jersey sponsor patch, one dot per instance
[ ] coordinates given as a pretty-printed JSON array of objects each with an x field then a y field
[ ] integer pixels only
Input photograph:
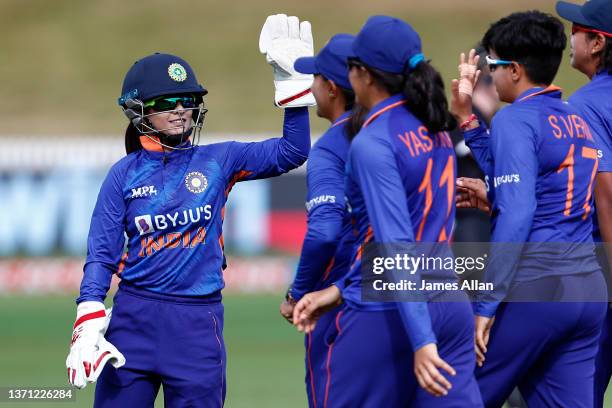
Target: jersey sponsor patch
[
  {"x": 196, "y": 182},
  {"x": 144, "y": 224},
  {"x": 320, "y": 200},
  {"x": 147, "y": 224},
  {"x": 143, "y": 191},
  {"x": 506, "y": 179}
]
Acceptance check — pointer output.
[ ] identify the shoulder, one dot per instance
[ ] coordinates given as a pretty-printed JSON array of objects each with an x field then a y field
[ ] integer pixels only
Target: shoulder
[
  {"x": 517, "y": 114},
  {"x": 515, "y": 122},
  {"x": 334, "y": 141},
  {"x": 593, "y": 98},
  {"x": 121, "y": 166},
  {"x": 582, "y": 95}
]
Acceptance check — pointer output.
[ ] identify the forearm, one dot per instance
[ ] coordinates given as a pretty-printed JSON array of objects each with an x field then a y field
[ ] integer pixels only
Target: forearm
[
  {"x": 294, "y": 146},
  {"x": 96, "y": 282},
  {"x": 316, "y": 258},
  {"x": 507, "y": 241},
  {"x": 478, "y": 140}
]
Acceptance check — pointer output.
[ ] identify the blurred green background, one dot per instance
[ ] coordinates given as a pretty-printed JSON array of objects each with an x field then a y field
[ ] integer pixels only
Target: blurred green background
[{"x": 63, "y": 61}]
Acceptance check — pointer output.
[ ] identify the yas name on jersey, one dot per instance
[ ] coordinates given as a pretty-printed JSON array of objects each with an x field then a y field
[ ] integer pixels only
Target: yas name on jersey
[{"x": 422, "y": 142}]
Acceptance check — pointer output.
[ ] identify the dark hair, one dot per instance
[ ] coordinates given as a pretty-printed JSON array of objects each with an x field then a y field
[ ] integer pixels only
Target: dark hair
[
  {"x": 354, "y": 124},
  {"x": 424, "y": 91},
  {"x": 534, "y": 39},
  {"x": 349, "y": 97},
  {"x": 132, "y": 139},
  {"x": 606, "y": 54}
]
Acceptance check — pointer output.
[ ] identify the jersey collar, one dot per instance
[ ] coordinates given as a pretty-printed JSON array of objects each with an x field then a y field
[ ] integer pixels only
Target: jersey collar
[
  {"x": 552, "y": 91},
  {"x": 156, "y": 151},
  {"x": 342, "y": 119},
  {"x": 601, "y": 75},
  {"x": 391, "y": 102}
]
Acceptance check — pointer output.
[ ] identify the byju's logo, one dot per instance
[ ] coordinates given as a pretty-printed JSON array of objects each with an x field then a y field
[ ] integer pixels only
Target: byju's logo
[
  {"x": 147, "y": 224},
  {"x": 144, "y": 224},
  {"x": 144, "y": 191}
]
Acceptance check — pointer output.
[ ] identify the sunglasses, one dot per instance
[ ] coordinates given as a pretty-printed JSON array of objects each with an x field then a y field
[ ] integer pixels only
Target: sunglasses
[
  {"x": 577, "y": 28},
  {"x": 493, "y": 63},
  {"x": 166, "y": 103}
]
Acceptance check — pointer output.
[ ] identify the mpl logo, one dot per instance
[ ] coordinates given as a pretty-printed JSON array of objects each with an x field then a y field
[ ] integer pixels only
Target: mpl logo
[
  {"x": 144, "y": 224},
  {"x": 144, "y": 191}
]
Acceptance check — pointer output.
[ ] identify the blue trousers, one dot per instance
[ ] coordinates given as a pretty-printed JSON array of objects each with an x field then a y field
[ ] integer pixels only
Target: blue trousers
[
  {"x": 547, "y": 349},
  {"x": 172, "y": 342},
  {"x": 603, "y": 361},
  {"x": 316, "y": 356},
  {"x": 370, "y": 363}
]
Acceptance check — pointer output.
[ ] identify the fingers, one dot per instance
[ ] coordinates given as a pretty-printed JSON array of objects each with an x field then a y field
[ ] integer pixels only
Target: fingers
[
  {"x": 304, "y": 314},
  {"x": 478, "y": 72},
  {"x": 446, "y": 367},
  {"x": 432, "y": 381},
  {"x": 471, "y": 184},
  {"x": 306, "y": 32},
  {"x": 280, "y": 27},
  {"x": 481, "y": 347},
  {"x": 293, "y": 27},
  {"x": 480, "y": 357},
  {"x": 286, "y": 310},
  {"x": 471, "y": 57},
  {"x": 299, "y": 315}
]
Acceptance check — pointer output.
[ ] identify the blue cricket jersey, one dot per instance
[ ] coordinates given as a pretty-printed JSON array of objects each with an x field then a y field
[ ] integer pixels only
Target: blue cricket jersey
[
  {"x": 543, "y": 162},
  {"x": 170, "y": 205},
  {"x": 401, "y": 189},
  {"x": 327, "y": 246},
  {"x": 594, "y": 101}
]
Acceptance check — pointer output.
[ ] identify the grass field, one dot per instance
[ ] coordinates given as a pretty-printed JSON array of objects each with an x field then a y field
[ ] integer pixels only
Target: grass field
[
  {"x": 64, "y": 60},
  {"x": 265, "y": 364},
  {"x": 265, "y": 355}
]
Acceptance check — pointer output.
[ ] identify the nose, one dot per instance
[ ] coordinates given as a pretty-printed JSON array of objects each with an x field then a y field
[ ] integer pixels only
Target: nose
[{"x": 178, "y": 109}]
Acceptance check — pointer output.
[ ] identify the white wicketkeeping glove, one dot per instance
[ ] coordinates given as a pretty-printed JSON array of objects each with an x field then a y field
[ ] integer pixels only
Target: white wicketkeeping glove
[
  {"x": 89, "y": 350},
  {"x": 283, "y": 40}
]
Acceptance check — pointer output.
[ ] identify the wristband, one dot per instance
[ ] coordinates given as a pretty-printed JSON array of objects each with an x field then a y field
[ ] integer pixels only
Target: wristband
[{"x": 467, "y": 123}]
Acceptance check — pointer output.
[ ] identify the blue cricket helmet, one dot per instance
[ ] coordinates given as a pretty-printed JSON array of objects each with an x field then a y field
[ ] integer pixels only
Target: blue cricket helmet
[{"x": 158, "y": 75}]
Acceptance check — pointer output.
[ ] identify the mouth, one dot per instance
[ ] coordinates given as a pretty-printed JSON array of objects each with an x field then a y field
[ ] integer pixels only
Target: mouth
[{"x": 178, "y": 122}]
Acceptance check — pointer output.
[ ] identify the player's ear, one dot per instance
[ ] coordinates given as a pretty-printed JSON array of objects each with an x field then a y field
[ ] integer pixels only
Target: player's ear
[
  {"x": 517, "y": 71},
  {"x": 598, "y": 43},
  {"x": 332, "y": 88}
]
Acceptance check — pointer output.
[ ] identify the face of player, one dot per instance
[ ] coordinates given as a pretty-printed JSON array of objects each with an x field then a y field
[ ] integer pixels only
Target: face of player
[
  {"x": 320, "y": 91},
  {"x": 502, "y": 79},
  {"x": 580, "y": 47},
  {"x": 173, "y": 122}
]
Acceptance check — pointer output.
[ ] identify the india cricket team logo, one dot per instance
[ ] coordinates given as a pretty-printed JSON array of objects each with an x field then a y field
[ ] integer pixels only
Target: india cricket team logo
[
  {"x": 177, "y": 72},
  {"x": 196, "y": 182},
  {"x": 144, "y": 224}
]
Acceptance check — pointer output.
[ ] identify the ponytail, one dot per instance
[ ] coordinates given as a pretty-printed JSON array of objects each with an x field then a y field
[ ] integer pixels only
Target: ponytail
[
  {"x": 425, "y": 97},
  {"x": 424, "y": 91},
  {"x": 132, "y": 139},
  {"x": 354, "y": 124}
]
